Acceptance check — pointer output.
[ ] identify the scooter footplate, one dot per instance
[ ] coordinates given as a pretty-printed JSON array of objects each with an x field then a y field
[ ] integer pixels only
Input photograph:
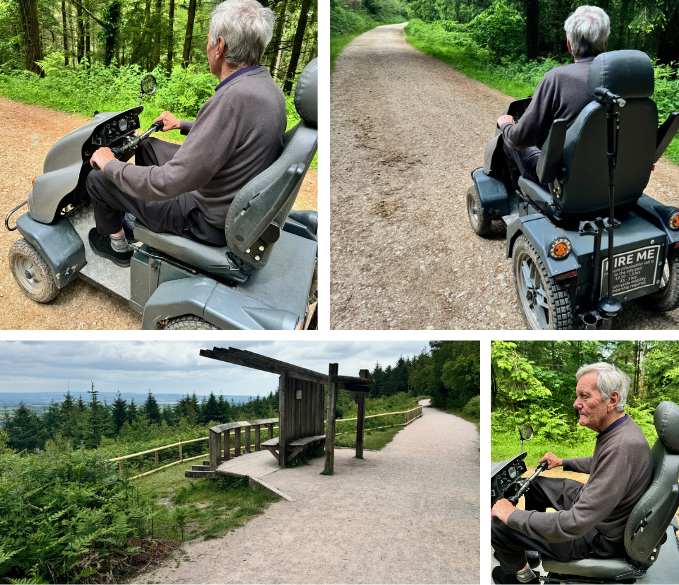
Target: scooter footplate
[{"x": 98, "y": 270}]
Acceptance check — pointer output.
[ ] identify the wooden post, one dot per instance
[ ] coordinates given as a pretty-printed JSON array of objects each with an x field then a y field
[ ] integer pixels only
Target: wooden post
[
  {"x": 214, "y": 450},
  {"x": 227, "y": 444},
  {"x": 360, "y": 424},
  {"x": 270, "y": 427},
  {"x": 236, "y": 440},
  {"x": 330, "y": 424},
  {"x": 258, "y": 437},
  {"x": 181, "y": 454},
  {"x": 155, "y": 457},
  {"x": 248, "y": 438},
  {"x": 282, "y": 432}
]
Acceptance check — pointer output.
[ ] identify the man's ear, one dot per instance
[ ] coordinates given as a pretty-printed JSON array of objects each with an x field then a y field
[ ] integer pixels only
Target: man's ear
[{"x": 614, "y": 400}]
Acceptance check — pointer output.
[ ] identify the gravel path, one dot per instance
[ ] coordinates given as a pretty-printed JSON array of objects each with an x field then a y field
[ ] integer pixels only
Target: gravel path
[
  {"x": 406, "y": 131},
  {"x": 406, "y": 514},
  {"x": 28, "y": 133}
]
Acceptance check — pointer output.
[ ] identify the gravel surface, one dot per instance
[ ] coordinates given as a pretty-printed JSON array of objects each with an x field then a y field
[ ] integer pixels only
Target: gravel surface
[
  {"x": 28, "y": 133},
  {"x": 406, "y": 131},
  {"x": 406, "y": 514}
]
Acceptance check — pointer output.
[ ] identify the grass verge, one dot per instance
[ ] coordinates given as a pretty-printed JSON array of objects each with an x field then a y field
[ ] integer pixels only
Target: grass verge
[
  {"x": 507, "y": 445},
  {"x": 188, "y": 509}
]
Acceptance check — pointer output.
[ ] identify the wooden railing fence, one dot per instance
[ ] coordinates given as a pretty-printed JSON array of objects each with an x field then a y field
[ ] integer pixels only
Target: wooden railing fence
[{"x": 234, "y": 438}]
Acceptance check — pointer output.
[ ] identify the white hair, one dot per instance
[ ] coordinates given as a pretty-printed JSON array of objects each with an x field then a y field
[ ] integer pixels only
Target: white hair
[
  {"x": 246, "y": 28},
  {"x": 587, "y": 31},
  {"x": 609, "y": 379}
]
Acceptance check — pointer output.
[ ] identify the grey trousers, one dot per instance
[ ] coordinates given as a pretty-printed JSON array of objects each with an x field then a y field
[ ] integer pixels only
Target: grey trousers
[
  {"x": 179, "y": 215},
  {"x": 510, "y": 545}
]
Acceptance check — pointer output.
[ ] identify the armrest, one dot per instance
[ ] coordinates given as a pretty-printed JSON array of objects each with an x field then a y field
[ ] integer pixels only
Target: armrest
[
  {"x": 666, "y": 133},
  {"x": 518, "y": 107},
  {"x": 550, "y": 161}
]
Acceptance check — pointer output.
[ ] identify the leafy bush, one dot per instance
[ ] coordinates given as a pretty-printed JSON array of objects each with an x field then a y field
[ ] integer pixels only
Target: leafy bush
[
  {"x": 501, "y": 28},
  {"x": 473, "y": 408},
  {"x": 65, "y": 517}
]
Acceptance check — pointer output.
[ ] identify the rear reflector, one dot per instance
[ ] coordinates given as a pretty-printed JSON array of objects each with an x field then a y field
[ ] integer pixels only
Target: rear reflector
[{"x": 567, "y": 275}]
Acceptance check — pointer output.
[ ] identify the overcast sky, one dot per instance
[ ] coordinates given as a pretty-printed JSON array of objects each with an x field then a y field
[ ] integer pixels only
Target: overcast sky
[{"x": 40, "y": 366}]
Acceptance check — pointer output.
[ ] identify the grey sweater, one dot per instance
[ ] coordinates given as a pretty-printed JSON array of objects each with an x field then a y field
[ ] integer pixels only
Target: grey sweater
[
  {"x": 237, "y": 134},
  {"x": 562, "y": 93},
  {"x": 620, "y": 471}
]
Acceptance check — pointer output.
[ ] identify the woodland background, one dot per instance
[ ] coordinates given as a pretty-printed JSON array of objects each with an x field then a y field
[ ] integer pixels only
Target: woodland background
[
  {"x": 510, "y": 44},
  {"x": 87, "y": 55},
  {"x": 534, "y": 382}
]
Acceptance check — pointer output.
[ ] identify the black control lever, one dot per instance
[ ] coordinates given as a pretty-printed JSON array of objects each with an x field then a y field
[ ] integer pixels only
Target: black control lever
[
  {"x": 119, "y": 151},
  {"x": 526, "y": 484}
]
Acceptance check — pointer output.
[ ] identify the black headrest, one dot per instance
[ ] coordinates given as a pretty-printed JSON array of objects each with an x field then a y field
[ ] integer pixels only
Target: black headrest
[
  {"x": 666, "y": 421},
  {"x": 306, "y": 94},
  {"x": 627, "y": 73}
]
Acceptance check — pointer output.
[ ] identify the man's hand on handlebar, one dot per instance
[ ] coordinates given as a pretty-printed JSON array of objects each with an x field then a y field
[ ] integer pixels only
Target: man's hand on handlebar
[
  {"x": 101, "y": 157},
  {"x": 502, "y": 510},
  {"x": 505, "y": 119},
  {"x": 169, "y": 120},
  {"x": 551, "y": 460}
]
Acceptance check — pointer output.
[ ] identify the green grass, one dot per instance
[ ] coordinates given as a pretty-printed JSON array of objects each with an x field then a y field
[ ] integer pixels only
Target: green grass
[
  {"x": 337, "y": 44},
  {"x": 515, "y": 79},
  {"x": 188, "y": 509},
  {"x": 373, "y": 440},
  {"x": 507, "y": 445}
]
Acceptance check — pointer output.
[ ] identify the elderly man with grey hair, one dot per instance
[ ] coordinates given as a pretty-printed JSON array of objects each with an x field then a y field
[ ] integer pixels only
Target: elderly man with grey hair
[
  {"x": 186, "y": 189},
  {"x": 562, "y": 93},
  {"x": 590, "y": 519}
]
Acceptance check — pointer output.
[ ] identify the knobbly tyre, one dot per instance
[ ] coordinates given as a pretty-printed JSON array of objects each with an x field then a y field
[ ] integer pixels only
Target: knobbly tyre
[
  {"x": 651, "y": 533},
  {"x": 264, "y": 278},
  {"x": 589, "y": 210}
]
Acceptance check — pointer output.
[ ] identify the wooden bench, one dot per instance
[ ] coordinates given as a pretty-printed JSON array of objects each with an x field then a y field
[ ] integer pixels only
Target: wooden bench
[{"x": 295, "y": 447}]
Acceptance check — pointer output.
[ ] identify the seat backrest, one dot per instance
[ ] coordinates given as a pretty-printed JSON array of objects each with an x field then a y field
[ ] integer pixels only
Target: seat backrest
[
  {"x": 259, "y": 209},
  {"x": 584, "y": 189},
  {"x": 652, "y": 514}
]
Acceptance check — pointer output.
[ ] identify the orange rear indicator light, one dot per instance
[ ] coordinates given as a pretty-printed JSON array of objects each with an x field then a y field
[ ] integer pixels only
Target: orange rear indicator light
[
  {"x": 560, "y": 248},
  {"x": 673, "y": 222}
]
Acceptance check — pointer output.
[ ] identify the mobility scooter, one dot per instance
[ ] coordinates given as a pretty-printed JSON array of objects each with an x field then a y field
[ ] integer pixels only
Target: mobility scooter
[
  {"x": 264, "y": 278},
  {"x": 588, "y": 210}
]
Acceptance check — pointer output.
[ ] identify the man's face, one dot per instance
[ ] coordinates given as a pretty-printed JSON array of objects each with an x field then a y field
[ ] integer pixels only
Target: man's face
[
  {"x": 593, "y": 409},
  {"x": 214, "y": 55}
]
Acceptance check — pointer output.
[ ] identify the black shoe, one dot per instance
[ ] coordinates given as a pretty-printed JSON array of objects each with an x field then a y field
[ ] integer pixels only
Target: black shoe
[
  {"x": 101, "y": 246},
  {"x": 502, "y": 576}
]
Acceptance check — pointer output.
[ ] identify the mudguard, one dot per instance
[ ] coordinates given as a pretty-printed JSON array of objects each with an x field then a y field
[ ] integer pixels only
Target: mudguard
[
  {"x": 222, "y": 306},
  {"x": 541, "y": 233},
  {"x": 493, "y": 194},
  {"x": 660, "y": 215},
  {"x": 58, "y": 243}
]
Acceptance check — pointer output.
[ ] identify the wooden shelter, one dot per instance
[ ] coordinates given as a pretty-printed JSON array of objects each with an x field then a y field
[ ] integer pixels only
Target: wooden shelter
[{"x": 304, "y": 396}]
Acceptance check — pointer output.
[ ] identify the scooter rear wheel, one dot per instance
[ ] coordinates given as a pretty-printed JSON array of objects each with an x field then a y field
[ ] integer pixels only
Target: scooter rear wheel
[
  {"x": 544, "y": 302},
  {"x": 32, "y": 273},
  {"x": 667, "y": 298}
]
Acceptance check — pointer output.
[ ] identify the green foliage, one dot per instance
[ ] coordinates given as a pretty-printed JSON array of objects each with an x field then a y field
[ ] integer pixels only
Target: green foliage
[
  {"x": 515, "y": 377},
  {"x": 472, "y": 410},
  {"x": 85, "y": 89},
  {"x": 501, "y": 28}
]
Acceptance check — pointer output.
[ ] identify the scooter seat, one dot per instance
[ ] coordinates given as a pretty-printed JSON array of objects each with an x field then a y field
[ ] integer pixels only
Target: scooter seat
[
  {"x": 213, "y": 260},
  {"x": 610, "y": 570}
]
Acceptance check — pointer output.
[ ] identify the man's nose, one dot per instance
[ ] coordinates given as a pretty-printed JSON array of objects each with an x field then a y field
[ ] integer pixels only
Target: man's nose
[{"x": 576, "y": 404}]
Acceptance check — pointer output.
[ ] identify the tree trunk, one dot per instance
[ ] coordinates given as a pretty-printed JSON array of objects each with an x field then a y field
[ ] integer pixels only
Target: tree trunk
[
  {"x": 81, "y": 33},
  {"x": 64, "y": 24},
  {"x": 275, "y": 45},
  {"x": 88, "y": 46},
  {"x": 31, "y": 30},
  {"x": 157, "y": 33},
  {"x": 296, "y": 46},
  {"x": 532, "y": 20},
  {"x": 170, "y": 36},
  {"x": 188, "y": 37},
  {"x": 140, "y": 44},
  {"x": 111, "y": 20}
]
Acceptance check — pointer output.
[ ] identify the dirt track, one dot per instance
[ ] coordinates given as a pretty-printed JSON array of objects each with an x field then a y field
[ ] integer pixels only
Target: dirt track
[
  {"x": 28, "y": 132},
  {"x": 406, "y": 514},
  {"x": 406, "y": 132}
]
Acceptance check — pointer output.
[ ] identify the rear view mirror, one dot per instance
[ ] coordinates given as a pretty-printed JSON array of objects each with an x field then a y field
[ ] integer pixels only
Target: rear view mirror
[
  {"x": 148, "y": 85},
  {"x": 525, "y": 432}
]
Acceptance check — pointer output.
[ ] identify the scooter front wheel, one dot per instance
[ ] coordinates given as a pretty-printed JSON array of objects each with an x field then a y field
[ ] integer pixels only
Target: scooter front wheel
[
  {"x": 479, "y": 219},
  {"x": 190, "y": 323},
  {"x": 667, "y": 298},
  {"x": 544, "y": 302},
  {"x": 32, "y": 273}
]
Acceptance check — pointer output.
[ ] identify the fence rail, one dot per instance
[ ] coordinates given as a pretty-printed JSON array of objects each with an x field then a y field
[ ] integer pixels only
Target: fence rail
[{"x": 219, "y": 439}]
